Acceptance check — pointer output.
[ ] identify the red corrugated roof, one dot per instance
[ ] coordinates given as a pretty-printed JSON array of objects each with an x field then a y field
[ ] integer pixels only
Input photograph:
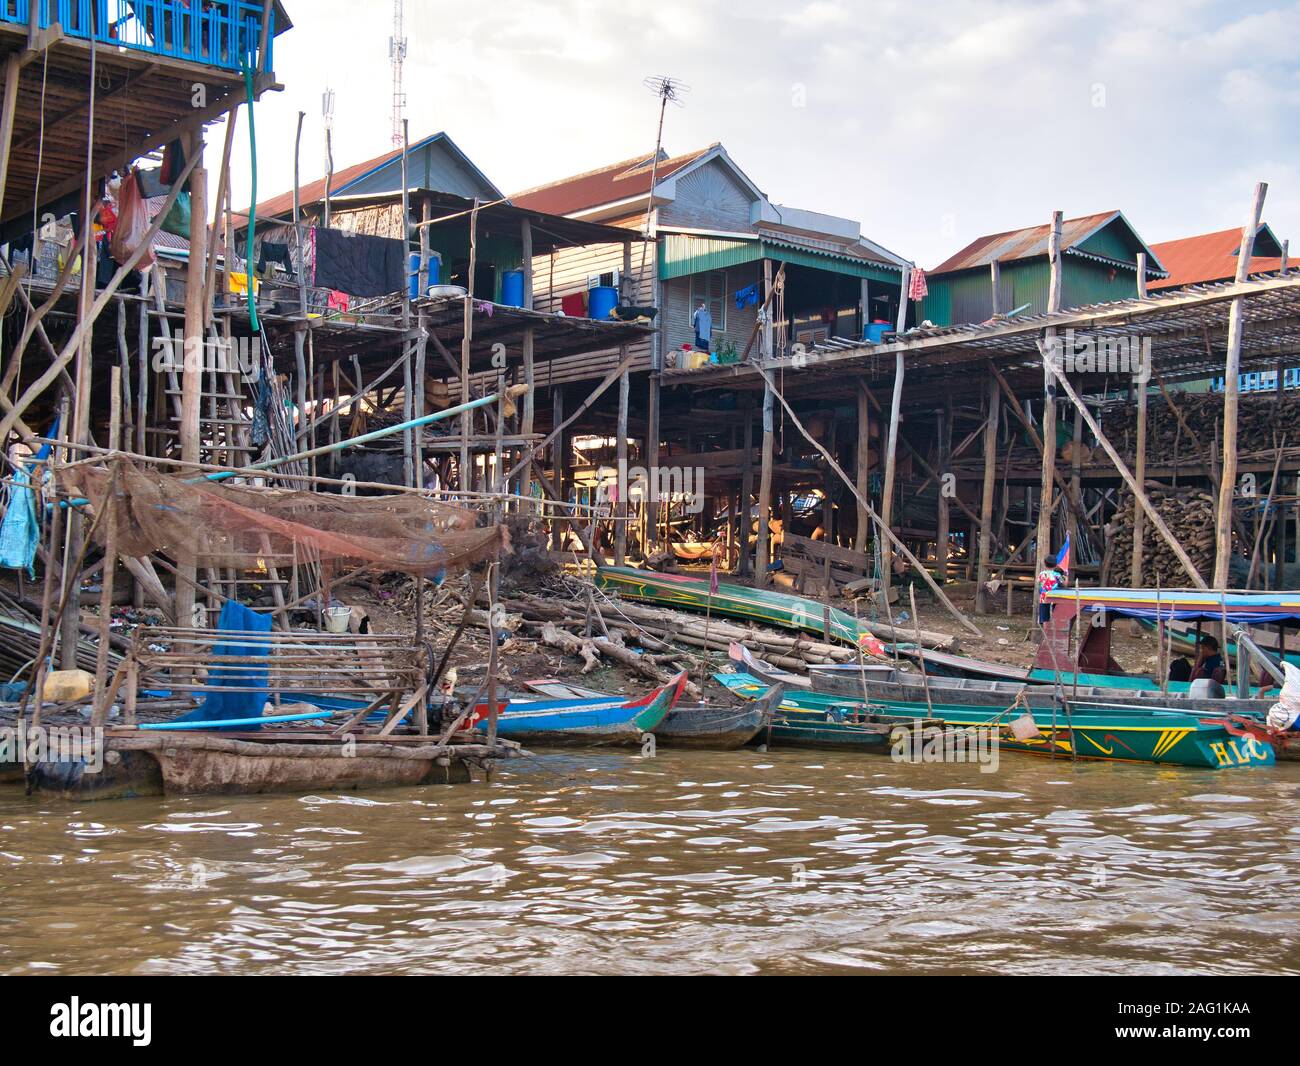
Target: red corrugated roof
[
  {"x": 618, "y": 181},
  {"x": 1021, "y": 243},
  {"x": 1209, "y": 257},
  {"x": 315, "y": 190}
]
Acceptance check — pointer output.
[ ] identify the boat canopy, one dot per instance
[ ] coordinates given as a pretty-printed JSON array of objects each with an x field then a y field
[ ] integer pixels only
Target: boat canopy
[{"x": 1242, "y": 608}]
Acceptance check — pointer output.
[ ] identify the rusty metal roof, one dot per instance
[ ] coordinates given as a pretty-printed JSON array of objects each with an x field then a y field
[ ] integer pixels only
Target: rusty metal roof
[
  {"x": 608, "y": 185},
  {"x": 1212, "y": 257},
  {"x": 1024, "y": 243}
]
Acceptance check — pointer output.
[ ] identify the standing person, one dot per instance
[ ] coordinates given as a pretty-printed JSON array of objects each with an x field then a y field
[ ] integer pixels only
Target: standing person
[
  {"x": 1050, "y": 577},
  {"x": 703, "y": 323}
]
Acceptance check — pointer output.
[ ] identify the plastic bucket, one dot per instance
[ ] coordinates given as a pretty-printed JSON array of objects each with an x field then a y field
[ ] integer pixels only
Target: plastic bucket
[{"x": 337, "y": 619}]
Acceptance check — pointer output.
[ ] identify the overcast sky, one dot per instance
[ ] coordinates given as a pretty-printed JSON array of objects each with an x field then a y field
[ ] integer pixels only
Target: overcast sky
[{"x": 929, "y": 122}]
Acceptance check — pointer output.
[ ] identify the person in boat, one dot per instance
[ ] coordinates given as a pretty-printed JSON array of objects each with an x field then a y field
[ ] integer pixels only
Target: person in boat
[
  {"x": 1180, "y": 669},
  {"x": 1209, "y": 662}
]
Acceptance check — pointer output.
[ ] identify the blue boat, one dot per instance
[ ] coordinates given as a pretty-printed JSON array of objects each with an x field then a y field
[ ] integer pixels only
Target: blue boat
[{"x": 603, "y": 721}]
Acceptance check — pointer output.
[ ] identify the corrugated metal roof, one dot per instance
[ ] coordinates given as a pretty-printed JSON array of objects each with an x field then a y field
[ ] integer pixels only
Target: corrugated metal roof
[
  {"x": 608, "y": 185},
  {"x": 1023, "y": 243},
  {"x": 1210, "y": 257},
  {"x": 315, "y": 190}
]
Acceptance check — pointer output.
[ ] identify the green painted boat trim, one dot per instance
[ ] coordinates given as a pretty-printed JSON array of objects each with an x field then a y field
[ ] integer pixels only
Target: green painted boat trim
[{"x": 1162, "y": 736}]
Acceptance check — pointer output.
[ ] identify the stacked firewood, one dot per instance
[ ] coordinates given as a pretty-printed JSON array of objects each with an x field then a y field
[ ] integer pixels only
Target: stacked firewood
[
  {"x": 1189, "y": 513},
  {"x": 1259, "y": 420}
]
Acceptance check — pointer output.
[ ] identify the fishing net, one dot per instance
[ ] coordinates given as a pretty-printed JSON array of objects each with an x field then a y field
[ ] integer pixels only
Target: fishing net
[{"x": 250, "y": 527}]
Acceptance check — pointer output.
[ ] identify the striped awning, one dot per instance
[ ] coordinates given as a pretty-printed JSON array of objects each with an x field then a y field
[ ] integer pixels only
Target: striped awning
[{"x": 1242, "y": 608}]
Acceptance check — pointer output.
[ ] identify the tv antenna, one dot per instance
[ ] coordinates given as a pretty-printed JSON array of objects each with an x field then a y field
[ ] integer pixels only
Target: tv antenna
[{"x": 669, "y": 90}]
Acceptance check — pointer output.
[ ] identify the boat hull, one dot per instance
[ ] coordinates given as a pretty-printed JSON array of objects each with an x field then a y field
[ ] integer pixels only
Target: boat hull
[
  {"x": 1113, "y": 735},
  {"x": 712, "y": 728}
]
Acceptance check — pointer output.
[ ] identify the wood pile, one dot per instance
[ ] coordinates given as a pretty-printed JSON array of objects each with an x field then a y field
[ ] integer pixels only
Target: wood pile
[
  {"x": 1189, "y": 513},
  {"x": 1259, "y": 419}
]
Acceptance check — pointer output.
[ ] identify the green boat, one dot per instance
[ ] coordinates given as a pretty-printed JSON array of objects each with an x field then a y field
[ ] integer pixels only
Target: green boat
[
  {"x": 1100, "y": 732},
  {"x": 732, "y": 601}
]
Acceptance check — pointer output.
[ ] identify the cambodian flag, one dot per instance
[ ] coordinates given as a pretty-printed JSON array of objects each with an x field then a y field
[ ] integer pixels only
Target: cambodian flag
[{"x": 1063, "y": 559}]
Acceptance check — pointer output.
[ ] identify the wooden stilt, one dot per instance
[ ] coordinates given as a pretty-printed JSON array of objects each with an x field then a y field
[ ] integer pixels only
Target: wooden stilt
[
  {"x": 891, "y": 445},
  {"x": 1140, "y": 475},
  {"x": 992, "y": 416},
  {"x": 943, "y": 516},
  {"x": 862, "y": 470},
  {"x": 1231, "y": 387},
  {"x": 1044, "y": 544}
]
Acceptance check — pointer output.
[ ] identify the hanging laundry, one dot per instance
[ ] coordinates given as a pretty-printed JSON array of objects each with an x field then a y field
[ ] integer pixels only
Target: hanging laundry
[
  {"x": 19, "y": 529},
  {"x": 178, "y": 217},
  {"x": 358, "y": 263},
  {"x": 746, "y": 297},
  {"x": 918, "y": 290},
  {"x": 173, "y": 164},
  {"x": 273, "y": 252},
  {"x": 151, "y": 184}
]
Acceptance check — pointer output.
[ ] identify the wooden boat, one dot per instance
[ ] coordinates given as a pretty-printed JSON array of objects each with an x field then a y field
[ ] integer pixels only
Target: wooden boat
[
  {"x": 733, "y": 601},
  {"x": 608, "y": 720},
  {"x": 773, "y": 675},
  {"x": 138, "y": 763},
  {"x": 1113, "y": 733},
  {"x": 945, "y": 664},
  {"x": 698, "y": 725},
  {"x": 867, "y": 732},
  {"x": 717, "y": 728}
]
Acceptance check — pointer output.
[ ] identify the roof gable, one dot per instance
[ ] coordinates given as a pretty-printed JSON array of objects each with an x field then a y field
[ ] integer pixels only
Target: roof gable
[
  {"x": 1106, "y": 235},
  {"x": 436, "y": 156}
]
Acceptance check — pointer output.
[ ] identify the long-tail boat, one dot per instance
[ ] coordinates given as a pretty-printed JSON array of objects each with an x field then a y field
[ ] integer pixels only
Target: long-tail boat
[
  {"x": 1098, "y": 732},
  {"x": 604, "y": 721},
  {"x": 716, "y": 728}
]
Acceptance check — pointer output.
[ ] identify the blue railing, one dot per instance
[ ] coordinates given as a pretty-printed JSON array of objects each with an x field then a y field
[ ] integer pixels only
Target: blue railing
[
  {"x": 1262, "y": 381},
  {"x": 216, "y": 33}
]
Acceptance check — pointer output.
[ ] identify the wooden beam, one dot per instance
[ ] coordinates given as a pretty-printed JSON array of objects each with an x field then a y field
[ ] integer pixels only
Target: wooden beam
[{"x": 1140, "y": 475}]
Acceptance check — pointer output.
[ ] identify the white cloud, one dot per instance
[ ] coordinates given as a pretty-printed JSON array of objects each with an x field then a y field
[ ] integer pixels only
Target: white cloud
[{"x": 931, "y": 123}]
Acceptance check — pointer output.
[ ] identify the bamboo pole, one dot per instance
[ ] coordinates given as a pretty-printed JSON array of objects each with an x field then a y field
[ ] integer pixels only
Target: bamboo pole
[{"x": 891, "y": 446}]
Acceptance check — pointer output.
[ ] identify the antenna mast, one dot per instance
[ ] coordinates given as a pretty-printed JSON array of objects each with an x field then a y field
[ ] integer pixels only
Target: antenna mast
[
  {"x": 668, "y": 90},
  {"x": 397, "y": 56}
]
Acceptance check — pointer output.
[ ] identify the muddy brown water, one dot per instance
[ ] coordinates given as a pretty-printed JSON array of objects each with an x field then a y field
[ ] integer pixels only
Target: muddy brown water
[{"x": 740, "y": 862}]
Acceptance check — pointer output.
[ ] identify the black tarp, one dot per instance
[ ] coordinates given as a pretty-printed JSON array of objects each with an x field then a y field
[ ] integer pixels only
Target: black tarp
[{"x": 358, "y": 264}]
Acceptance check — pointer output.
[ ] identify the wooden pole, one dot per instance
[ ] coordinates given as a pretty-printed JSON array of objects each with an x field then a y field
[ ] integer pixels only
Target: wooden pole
[
  {"x": 529, "y": 406},
  {"x": 467, "y": 419},
  {"x": 891, "y": 444},
  {"x": 192, "y": 352},
  {"x": 746, "y": 491},
  {"x": 943, "y": 515},
  {"x": 620, "y": 508},
  {"x": 1044, "y": 544},
  {"x": 1142, "y": 275},
  {"x": 986, "y": 498},
  {"x": 102, "y": 693},
  {"x": 862, "y": 464},
  {"x": 1140, "y": 475},
  {"x": 1231, "y": 385}
]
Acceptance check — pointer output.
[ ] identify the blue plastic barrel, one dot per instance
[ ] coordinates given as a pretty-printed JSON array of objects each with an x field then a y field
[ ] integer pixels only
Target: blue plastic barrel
[
  {"x": 876, "y": 331},
  {"x": 432, "y": 263},
  {"x": 601, "y": 300},
  {"x": 413, "y": 275},
  {"x": 512, "y": 288}
]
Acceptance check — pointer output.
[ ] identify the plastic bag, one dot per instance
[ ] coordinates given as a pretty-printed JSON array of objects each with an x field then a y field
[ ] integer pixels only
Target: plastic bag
[
  {"x": 132, "y": 225},
  {"x": 1284, "y": 713}
]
